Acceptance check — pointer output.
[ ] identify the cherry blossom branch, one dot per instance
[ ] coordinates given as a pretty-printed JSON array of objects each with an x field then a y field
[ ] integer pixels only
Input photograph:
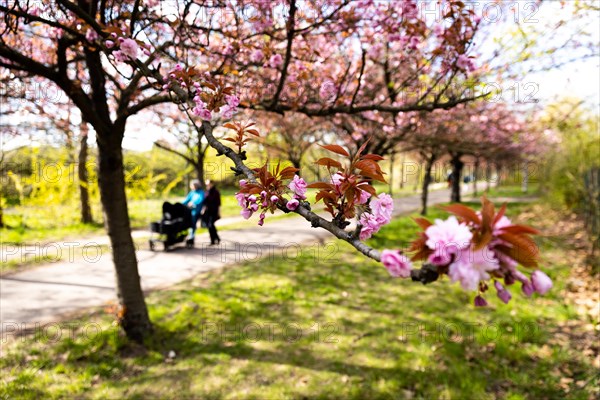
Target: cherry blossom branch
[{"x": 303, "y": 209}]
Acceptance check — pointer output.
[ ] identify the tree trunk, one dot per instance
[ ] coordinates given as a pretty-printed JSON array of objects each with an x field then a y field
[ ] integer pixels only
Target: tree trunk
[
  {"x": 475, "y": 176},
  {"x": 391, "y": 184},
  {"x": 525, "y": 181},
  {"x": 488, "y": 176},
  {"x": 457, "y": 166},
  {"x": 1, "y": 213},
  {"x": 84, "y": 194},
  {"x": 426, "y": 182},
  {"x": 499, "y": 175},
  {"x": 199, "y": 166},
  {"x": 296, "y": 163},
  {"x": 402, "y": 171},
  {"x": 111, "y": 179}
]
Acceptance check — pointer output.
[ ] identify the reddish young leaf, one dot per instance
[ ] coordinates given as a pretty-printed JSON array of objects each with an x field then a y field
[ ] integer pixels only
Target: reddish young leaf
[
  {"x": 463, "y": 212},
  {"x": 525, "y": 257},
  {"x": 520, "y": 229},
  {"x": 329, "y": 162},
  {"x": 423, "y": 223},
  {"x": 373, "y": 157},
  {"x": 336, "y": 149},
  {"x": 369, "y": 189},
  {"x": 320, "y": 185},
  {"x": 500, "y": 213}
]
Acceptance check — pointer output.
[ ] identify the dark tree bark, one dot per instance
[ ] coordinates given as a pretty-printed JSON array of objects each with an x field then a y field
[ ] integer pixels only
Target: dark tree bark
[
  {"x": 84, "y": 194},
  {"x": 1, "y": 212},
  {"x": 475, "y": 175},
  {"x": 488, "y": 176},
  {"x": 199, "y": 164},
  {"x": 111, "y": 180},
  {"x": 457, "y": 166},
  {"x": 426, "y": 182}
]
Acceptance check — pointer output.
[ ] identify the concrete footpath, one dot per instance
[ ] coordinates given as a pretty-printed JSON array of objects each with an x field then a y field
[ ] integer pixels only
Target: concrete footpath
[{"x": 49, "y": 292}]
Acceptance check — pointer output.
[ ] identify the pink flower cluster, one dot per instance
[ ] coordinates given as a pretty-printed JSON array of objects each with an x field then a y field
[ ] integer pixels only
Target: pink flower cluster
[
  {"x": 230, "y": 108},
  {"x": 397, "y": 264},
  {"x": 452, "y": 249},
  {"x": 298, "y": 187},
  {"x": 128, "y": 49},
  {"x": 381, "y": 214},
  {"x": 200, "y": 108},
  {"x": 251, "y": 203},
  {"x": 465, "y": 63}
]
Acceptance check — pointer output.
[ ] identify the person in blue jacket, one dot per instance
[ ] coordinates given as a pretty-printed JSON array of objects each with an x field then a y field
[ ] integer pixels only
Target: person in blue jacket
[{"x": 194, "y": 201}]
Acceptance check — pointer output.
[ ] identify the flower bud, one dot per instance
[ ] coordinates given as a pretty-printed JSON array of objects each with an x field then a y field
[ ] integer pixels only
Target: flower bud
[
  {"x": 502, "y": 293},
  {"x": 480, "y": 301},
  {"x": 541, "y": 282},
  {"x": 292, "y": 204}
]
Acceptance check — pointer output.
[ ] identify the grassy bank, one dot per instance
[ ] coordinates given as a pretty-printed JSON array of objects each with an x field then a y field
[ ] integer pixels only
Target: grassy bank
[{"x": 326, "y": 323}]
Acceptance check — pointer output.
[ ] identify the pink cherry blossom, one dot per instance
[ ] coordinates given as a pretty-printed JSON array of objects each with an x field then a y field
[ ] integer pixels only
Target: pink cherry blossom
[
  {"x": 241, "y": 199},
  {"x": 336, "y": 179},
  {"x": 363, "y": 196},
  {"x": 298, "y": 186},
  {"x": 541, "y": 282},
  {"x": 440, "y": 257},
  {"x": 502, "y": 223},
  {"x": 274, "y": 199},
  {"x": 232, "y": 101},
  {"x": 292, "y": 204},
  {"x": 120, "y": 56},
  {"x": 327, "y": 91},
  {"x": 275, "y": 61},
  {"x": 397, "y": 264},
  {"x": 130, "y": 48},
  {"x": 370, "y": 225},
  {"x": 382, "y": 208},
  {"x": 257, "y": 56},
  {"x": 449, "y": 235},
  {"x": 91, "y": 35},
  {"x": 471, "y": 267},
  {"x": 226, "y": 112},
  {"x": 246, "y": 213}
]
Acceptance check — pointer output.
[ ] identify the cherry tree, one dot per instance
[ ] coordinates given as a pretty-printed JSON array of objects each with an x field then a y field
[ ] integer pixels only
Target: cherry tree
[{"x": 116, "y": 59}]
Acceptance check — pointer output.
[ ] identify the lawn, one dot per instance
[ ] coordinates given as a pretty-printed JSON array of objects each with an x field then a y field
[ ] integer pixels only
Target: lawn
[{"x": 324, "y": 325}]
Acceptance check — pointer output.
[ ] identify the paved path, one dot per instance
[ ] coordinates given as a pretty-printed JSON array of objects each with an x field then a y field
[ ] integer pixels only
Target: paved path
[{"x": 49, "y": 292}]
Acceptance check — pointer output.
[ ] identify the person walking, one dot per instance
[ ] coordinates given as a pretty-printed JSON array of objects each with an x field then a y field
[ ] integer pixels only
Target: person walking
[
  {"x": 212, "y": 203},
  {"x": 194, "y": 201}
]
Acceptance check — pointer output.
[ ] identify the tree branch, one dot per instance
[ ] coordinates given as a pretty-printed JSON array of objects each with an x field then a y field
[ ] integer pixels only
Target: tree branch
[{"x": 303, "y": 209}]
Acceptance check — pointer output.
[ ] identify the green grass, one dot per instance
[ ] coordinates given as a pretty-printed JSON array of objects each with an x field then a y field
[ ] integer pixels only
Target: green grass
[
  {"x": 362, "y": 335},
  {"x": 511, "y": 190}
]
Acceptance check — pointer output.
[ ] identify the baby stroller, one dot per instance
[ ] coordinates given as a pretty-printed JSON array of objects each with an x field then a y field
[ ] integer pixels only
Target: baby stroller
[{"x": 173, "y": 228}]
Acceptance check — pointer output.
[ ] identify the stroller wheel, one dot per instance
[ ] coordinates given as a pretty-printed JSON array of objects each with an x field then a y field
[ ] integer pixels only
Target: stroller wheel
[{"x": 151, "y": 243}]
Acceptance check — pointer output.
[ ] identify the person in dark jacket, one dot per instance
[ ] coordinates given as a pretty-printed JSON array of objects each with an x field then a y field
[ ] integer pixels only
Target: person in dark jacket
[{"x": 212, "y": 202}]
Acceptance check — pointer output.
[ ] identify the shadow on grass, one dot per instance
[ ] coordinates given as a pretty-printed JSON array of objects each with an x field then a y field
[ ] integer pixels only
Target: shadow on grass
[{"x": 304, "y": 328}]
